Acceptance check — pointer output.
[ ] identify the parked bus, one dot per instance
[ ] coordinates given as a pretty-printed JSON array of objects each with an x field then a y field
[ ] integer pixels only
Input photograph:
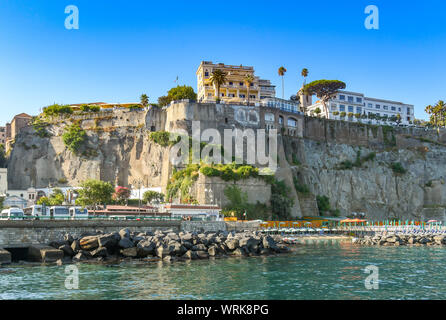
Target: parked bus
[
  {"x": 59, "y": 212},
  {"x": 36, "y": 211},
  {"x": 11, "y": 214},
  {"x": 78, "y": 213}
]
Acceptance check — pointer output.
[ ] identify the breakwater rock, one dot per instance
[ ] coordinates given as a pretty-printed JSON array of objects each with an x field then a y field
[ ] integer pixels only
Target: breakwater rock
[
  {"x": 166, "y": 245},
  {"x": 402, "y": 240}
]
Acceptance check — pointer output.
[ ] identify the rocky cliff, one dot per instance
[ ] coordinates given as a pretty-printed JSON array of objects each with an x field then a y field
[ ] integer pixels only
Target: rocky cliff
[{"x": 384, "y": 172}]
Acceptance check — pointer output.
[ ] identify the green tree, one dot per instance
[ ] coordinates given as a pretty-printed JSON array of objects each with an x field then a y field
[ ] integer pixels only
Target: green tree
[
  {"x": 324, "y": 90},
  {"x": 2, "y": 156},
  {"x": 163, "y": 101},
  {"x": 281, "y": 73},
  {"x": 144, "y": 100},
  {"x": 238, "y": 200},
  {"x": 317, "y": 111},
  {"x": 94, "y": 193},
  {"x": 150, "y": 196},
  {"x": 218, "y": 78},
  {"x": 281, "y": 202},
  {"x": 181, "y": 93},
  {"x": 56, "y": 198},
  {"x": 177, "y": 93},
  {"x": 248, "y": 79}
]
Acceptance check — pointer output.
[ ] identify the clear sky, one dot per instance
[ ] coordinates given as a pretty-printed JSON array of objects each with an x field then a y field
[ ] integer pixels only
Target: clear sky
[{"x": 125, "y": 48}]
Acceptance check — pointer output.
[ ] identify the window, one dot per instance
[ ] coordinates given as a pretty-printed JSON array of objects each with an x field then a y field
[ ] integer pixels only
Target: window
[
  {"x": 334, "y": 107},
  {"x": 241, "y": 83},
  {"x": 231, "y": 83},
  {"x": 408, "y": 110},
  {"x": 370, "y": 105},
  {"x": 378, "y": 106},
  {"x": 241, "y": 96},
  {"x": 378, "y": 114},
  {"x": 358, "y": 110},
  {"x": 393, "y": 108},
  {"x": 399, "y": 109},
  {"x": 206, "y": 74},
  {"x": 292, "y": 123},
  {"x": 341, "y": 97},
  {"x": 350, "y": 108},
  {"x": 350, "y": 99},
  {"x": 269, "y": 117},
  {"x": 385, "y": 107},
  {"x": 359, "y": 100},
  {"x": 252, "y": 96},
  {"x": 342, "y": 108}
]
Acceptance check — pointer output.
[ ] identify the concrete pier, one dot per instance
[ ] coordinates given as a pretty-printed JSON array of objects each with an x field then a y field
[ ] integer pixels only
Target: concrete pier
[{"x": 44, "y": 253}]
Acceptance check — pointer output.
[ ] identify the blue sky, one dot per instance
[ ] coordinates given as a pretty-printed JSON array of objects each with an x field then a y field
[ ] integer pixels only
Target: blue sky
[{"x": 125, "y": 48}]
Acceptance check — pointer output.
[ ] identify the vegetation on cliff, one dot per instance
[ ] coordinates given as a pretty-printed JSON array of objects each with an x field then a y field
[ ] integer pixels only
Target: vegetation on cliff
[
  {"x": 239, "y": 205},
  {"x": 74, "y": 137},
  {"x": 57, "y": 110}
]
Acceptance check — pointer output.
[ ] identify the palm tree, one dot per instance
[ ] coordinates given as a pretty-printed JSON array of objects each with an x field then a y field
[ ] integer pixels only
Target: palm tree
[
  {"x": 304, "y": 74},
  {"x": 248, "y": 79},
  {"x": 430, "y": 110},
  {"x": 144, "y": 100},
  {"x": 282, "y": 72},
  {"x": 440, "y": 109},
  {"x": 218, "y": 78}
]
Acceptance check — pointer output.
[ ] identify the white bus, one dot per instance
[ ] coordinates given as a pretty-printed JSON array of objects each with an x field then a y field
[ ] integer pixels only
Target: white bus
[
  {"x": 11, "y": 214},
  {"x": 37, "y": 211},
  {"x": 59, "y": 212},
  {"x": 78, "y": 213}
]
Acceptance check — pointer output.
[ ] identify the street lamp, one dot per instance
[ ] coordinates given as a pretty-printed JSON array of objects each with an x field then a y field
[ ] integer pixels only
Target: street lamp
[{"x": 138, "y": 183}]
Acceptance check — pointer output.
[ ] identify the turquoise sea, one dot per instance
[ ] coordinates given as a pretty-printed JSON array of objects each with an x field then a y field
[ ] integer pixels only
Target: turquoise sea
[{"x": 317, "y": 271}]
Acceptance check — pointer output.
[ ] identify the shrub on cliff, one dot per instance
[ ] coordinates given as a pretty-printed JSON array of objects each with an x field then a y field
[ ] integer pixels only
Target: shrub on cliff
[
  {"x": 162, "y": 138},
  {"x": 90, "y": 108},
  {"x": 210, "y": 171},
  {"x": 74, "y": 137},
  {"x": 398, "y": 168},
  {"x": 57, "y": 109}
]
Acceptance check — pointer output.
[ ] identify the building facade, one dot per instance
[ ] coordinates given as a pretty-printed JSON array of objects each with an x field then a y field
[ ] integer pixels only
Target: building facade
[
  {"x": 235, "y": 89},
  {"x": 2, "y": 135},
  {"x": 356, "y": 106}
]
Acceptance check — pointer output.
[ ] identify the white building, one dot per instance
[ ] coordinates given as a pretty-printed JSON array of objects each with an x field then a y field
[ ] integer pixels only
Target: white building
[{"x": 353, "y": 103}]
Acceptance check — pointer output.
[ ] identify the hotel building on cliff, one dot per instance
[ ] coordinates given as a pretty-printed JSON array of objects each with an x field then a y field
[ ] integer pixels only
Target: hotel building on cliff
[
  {"x": 357, "y": 103},
  {"x": 235, "y": 91}
]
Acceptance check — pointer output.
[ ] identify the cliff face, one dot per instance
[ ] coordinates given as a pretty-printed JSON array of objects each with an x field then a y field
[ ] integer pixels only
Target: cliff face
[
  {"x": 122, "y": 153},
  {"x": 374, "y": 187},
  {"x": 316, "y": 157}
]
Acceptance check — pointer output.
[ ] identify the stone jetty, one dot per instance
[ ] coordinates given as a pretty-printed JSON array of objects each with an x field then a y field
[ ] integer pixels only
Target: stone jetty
[
  {"x": 167, "y": 246},
  {"x": 402, "y": 240}
]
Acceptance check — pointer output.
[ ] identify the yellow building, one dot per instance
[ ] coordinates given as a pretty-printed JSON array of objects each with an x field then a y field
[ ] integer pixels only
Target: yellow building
[{"x": 235, "y": 89}]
